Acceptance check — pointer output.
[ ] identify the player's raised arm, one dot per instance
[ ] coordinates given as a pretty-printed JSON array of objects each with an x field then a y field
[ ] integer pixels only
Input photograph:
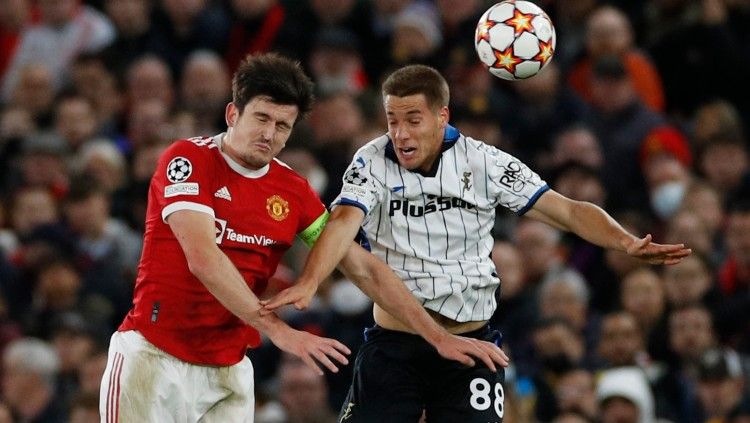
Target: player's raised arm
[
  {"x": 596, "y": 226},
  {"x": 195, "y": 232},
  {"x": 325, "y": 255}
]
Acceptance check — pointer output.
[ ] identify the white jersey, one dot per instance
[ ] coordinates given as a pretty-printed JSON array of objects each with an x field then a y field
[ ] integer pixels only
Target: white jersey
[{"x": 435, "y": 230}]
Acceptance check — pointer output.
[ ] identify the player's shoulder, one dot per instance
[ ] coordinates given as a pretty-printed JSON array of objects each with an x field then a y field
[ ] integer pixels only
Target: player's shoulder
[
  {"x": 286, "y": 171},
  {"x": 373, "y": 149},
  {"x": 474, "y": 146},
  {"x": 193, "y": 146}
]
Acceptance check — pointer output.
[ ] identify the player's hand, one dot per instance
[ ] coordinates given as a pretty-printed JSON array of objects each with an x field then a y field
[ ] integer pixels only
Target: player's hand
[
  {"x": 654, "y": 253},
  {"x": 462, "y": 349},
  {"x": 311, "y": 349},
  {"x": 298, "y": 295}
]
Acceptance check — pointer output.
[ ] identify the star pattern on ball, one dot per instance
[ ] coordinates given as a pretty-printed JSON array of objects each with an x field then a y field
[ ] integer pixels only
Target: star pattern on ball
[
  {"x": 520, "y": 22},
  {"x": 545, "y": 52},
  {"x": 506, "y": 60},
  {"x": 483, "y": 30}
]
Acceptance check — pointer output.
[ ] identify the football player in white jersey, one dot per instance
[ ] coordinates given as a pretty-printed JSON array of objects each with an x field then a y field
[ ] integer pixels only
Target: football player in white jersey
[{"x": 426, "y": 196}]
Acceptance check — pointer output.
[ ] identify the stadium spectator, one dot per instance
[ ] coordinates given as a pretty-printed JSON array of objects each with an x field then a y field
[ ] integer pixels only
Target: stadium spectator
[
  {"x": 575, "y": 393},
  {"x": 84, "y": 408},
  {"x": 713, "y": 42},
  {"x": 580, "y": 182},
  {"x": 149, "y": 78},
  {"x": 336, "y": 63},
  {"x": 544, "y": 106},
  {"x": 716, "y": 118},
  {"x": 579, "y": 144},
  {"x": 75, "y": 121},
  {"x": 205, "y": 88},
  {"x": 132, "y": 20},
  {"x": 665, "y": 162},
  {"x": 91, "y": 79},
  {"x": 32, "y": 207},
  {"x": 303, "y": 393},
  {"x": 691, "y": 333},
  {"x": 691, "y": 282},
  {"x": 101, "y": 160},
  {"x": 183, "y": 26},
  {"x": 15, "y": 15},
  {"x": 721, "y": 384},
  {"x": 417, "y": 34},
  {"x": 734, "y": 275},
  {"x": 642, "y": 295},
  {"x": 570, "y": 17},
  {"x": 624, "y": 396},
  {"x": 565, "y": 295},
  {"x": 609, "y": 32},
  {"x": 90, "y": 372},
  {"x": 30, "y": 368},
  {"x": 260, "y": 27},
  {"x": 148, "y": 125},
  {"x": 35, "y": 93},
  {"x": 66, "y": 29},
  {"x": 621, "y": 341},
  {"x": 558, "y": 348},
  {"x": 621, "y": 122},
  {"x": 725, "y": 161}
]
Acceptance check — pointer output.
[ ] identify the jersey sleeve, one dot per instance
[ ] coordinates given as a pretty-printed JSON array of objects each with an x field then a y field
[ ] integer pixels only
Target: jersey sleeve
[
  {"x": 360, "y": 188},
  {"x": 513, "y": 184},
  {"x": 182, "y": 180},
  {"x": 313, "y": 218}
]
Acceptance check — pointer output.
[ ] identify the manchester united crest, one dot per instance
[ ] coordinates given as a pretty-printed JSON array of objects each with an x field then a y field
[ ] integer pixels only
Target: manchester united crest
[{"x": 277, "y": 207}]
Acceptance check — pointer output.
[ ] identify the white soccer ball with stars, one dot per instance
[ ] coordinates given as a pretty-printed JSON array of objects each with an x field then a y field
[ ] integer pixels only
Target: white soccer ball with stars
[{"x": 515, "y": 39}]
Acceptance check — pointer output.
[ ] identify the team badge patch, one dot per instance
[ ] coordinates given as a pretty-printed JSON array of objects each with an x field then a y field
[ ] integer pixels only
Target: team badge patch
[
  {"x": 354, "y": 177},
  {"x": 179, "y": 169},
  {"x": 277, "y": 207}
]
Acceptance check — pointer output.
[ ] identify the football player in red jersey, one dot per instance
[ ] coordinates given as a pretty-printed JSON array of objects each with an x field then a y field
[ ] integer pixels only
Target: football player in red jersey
[{"x": 221, "y": 212}]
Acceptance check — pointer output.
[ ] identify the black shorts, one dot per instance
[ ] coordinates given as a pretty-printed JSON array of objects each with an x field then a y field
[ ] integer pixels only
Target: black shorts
[{"x": 398, "y": 375}]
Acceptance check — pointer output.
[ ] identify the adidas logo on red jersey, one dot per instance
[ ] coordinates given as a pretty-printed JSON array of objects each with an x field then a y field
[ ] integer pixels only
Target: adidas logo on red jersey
[{"x": 223, "y": 192}]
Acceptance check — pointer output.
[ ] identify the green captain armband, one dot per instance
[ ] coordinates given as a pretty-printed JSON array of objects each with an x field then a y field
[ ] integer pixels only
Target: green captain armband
[{"x": 312, "y": 232}]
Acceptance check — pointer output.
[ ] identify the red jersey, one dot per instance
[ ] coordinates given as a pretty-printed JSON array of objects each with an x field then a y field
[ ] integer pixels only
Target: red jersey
[{"x": 257, "y": 215}]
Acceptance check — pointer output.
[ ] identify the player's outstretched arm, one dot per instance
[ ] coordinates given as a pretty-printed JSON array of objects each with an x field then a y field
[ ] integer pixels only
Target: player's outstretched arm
[
  {"x": 380, "y": 283},
  {"x": 327, "y": 252},
  {"x": 195, "y": 233},
  {"x": 596, "y": 226}
]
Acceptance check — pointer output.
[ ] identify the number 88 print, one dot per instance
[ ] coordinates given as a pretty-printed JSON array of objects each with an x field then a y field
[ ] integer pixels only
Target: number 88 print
[{"x": 480, "y": 396}]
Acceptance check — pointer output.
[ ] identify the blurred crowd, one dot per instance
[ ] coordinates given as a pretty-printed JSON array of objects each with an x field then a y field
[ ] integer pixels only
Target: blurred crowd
[{"x": 643, "y": 111}]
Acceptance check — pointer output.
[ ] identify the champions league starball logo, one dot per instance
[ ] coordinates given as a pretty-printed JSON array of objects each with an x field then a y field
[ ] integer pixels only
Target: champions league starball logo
[
  {"x": 179, "y": 169},
  {"x": 354, "y": 177}
]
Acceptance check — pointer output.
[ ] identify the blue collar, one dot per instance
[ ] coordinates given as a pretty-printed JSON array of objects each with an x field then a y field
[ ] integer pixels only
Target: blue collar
[{"x": 449, "y": 140}]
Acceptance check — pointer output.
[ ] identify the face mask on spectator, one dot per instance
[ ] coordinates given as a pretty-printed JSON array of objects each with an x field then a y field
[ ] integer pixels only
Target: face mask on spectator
[{"x": 666, "y": 199}]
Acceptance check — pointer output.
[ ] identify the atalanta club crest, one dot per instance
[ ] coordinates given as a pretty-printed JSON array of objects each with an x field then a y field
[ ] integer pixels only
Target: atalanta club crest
[
  {"x": 277, "y": 207},
  {"x": 179, "y": 169}
]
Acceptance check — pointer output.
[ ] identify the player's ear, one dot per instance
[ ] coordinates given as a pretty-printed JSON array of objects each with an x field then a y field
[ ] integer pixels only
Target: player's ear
[
  {"x": 444, "y": 115},
  {"x": 231, "y": 114}
]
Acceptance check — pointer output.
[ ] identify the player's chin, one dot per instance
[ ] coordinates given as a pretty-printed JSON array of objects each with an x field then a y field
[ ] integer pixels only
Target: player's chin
[
  {"x": 257, "y": 161},
  {"x": 408, "y": 162}
]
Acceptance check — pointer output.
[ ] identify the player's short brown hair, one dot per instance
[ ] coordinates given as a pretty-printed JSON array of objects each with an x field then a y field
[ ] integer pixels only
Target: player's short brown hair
[
  {"x": 275, "y": 76},
  {"x": 418, "y": 79}
]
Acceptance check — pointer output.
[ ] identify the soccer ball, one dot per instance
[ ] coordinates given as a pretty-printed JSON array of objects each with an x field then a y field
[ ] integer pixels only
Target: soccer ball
[{"x": 515, "y": 39}]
